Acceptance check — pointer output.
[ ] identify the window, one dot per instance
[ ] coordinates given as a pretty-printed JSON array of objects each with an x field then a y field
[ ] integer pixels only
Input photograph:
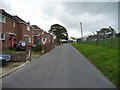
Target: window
[
  {"x": 42, "y": 32},
  {"x": 28, "y": 27},
  {"x": 44, "y": 40},
  {"x": 13, "y": 24},
  {"x": 29, "y": 39},
  {"x": 2, "y": 36},
  {"x": 3, "y": 19},
  {"x": 0, "y": 18}
]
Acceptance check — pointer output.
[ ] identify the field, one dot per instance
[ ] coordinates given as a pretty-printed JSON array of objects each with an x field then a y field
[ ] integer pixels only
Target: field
[
  {"x": 111, "y": 42},
  {"x": 105, "y": 59}
]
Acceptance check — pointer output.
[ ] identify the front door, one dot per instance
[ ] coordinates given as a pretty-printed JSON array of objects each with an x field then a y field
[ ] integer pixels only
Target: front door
[
  {"x": 38, "y": 41},
  {"x": 11, "y": 41}
]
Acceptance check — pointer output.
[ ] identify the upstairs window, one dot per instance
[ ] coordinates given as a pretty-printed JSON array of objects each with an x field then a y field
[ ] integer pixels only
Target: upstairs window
[
  {"x": 42, "y": 32},
  {"x": 13, "y": 24},
  {"x": 2, "y": 36},
  {"x": 2, "y": 19},
  {"x": 28, "y": 27}
]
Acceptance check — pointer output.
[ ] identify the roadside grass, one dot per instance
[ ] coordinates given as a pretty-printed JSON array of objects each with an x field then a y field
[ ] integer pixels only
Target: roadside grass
[
  {"x": 105, "y": 59},
  {"x": 12, "y": 50},
  {"x": 36, "y": 52}
]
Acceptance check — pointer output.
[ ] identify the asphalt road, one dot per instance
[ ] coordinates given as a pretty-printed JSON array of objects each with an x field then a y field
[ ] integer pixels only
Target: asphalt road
[{"x": 62, "y": 67}]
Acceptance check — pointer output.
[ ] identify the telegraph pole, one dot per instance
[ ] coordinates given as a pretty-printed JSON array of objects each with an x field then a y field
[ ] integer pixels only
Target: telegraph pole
[{"x": 81, "y": 31}]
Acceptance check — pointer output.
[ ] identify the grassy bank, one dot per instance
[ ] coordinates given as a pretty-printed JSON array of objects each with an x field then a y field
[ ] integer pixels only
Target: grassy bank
[{"x": 105, "y": 59}]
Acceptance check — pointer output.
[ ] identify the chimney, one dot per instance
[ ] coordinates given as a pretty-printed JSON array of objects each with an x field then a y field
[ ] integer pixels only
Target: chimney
[{"x": 28, "y": 22}]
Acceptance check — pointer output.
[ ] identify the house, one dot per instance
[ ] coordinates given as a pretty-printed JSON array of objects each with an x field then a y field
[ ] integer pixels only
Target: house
[
  {"x": 8, "y": 30},
  {"x": 72, "y": 39},
  {"x": 106, "y": 33},
  {"x": 45, "y": 37},
  {"x": 48, "y": 37},
  {"x": 24, "y": 30},
  {"x": 92, "y": 38},
  {"x": 37, "y": 34},
  {"x": 41, "y": 36},
  {"x": 13, "y": 29}
]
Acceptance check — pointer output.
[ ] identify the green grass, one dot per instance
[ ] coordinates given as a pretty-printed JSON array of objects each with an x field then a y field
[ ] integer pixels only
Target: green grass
[
  {"x": 107, "y": 42},
  {"x": 36, "y": 52},
  {"x": 105, "y": 59},
  {"x": 12, "y": 51}
]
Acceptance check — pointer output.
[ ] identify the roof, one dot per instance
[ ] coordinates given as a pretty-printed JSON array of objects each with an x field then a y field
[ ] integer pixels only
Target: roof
[
  {"x": 6, "y": 14},
  {"x": 18, "y": 19},
  {"x": 36, "y": 27}
]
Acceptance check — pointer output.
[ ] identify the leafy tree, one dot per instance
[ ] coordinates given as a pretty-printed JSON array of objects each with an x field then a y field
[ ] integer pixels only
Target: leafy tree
[
  {"x": 59, "y": 31},
  {"x": 105, "y": 30},
  {"x": 112, "y": 30}
]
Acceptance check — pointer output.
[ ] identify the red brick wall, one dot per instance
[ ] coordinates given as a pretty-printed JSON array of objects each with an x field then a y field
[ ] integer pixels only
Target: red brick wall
[
  {"x": 47, "y": 36},
  {"x": 35, "y": 37},
  {"x": 19, "y": 32},
  {"x": 8, "y": 28},
  {"x": 22, "y": 30}
]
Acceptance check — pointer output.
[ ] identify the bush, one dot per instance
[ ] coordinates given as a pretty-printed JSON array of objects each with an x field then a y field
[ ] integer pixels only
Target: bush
[{"x": 38, "y": 47}]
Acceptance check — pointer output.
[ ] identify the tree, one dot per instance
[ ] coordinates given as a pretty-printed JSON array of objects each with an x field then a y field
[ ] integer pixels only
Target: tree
[
  {"x": 107, "y": 32},
  {"x": 59, "y": 31}
]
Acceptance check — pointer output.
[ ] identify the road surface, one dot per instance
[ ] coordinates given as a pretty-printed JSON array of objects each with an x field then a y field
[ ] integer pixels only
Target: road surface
[{"x": 62, "y": 67}]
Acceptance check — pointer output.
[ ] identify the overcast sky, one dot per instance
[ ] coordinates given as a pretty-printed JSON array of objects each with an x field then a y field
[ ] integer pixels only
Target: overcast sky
[{"x": 94, "y": 14}]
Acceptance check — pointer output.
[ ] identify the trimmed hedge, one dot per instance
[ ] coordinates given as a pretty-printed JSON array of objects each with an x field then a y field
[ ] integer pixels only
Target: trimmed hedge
[{"x": 38, "y": 47}]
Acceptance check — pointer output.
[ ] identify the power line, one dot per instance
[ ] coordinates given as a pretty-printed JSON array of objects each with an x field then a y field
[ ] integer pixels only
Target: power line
[
  {"x": 97, "y": 12},
  {"x": 102, "y": 7}
]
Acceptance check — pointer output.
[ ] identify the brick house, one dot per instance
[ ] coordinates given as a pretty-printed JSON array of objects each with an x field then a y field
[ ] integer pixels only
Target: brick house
[
  {"x": 48, "y": 37},
  {"x": 24, "y": 30},
  {"x": 13, "y": 29},
  {"x": 37, "y": 32},
  {"x": 8, "y": 30},
  {"x": 40, "y": 36}
]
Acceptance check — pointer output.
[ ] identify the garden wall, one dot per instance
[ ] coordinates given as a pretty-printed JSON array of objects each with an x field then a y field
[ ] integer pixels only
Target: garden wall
[{"x": 18, "y": 57}]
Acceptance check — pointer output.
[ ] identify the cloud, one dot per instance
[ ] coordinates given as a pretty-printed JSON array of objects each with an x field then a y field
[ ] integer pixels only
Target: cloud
[{"x": 68, "y": 14}]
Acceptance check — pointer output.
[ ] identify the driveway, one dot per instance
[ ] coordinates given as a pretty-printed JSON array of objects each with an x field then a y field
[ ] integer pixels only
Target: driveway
[{"x": 62, "y": 67}]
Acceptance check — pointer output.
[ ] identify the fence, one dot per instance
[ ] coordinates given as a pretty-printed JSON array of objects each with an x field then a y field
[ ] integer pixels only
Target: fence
[{"x": 106, "y": 42}]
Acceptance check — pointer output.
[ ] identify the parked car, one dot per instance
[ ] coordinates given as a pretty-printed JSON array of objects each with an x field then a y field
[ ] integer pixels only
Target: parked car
[
  {"x": 21, "y": 45},
  {"x": 4, "y": 58}
]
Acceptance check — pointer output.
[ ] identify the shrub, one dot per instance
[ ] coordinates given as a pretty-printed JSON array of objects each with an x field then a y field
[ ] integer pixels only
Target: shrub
[{"x": 38, "y": 47}]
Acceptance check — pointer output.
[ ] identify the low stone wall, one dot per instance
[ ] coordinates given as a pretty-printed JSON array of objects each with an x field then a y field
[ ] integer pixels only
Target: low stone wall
[
  {"x": 18, "y": 57},
  {"x": 47, "y": 47}
]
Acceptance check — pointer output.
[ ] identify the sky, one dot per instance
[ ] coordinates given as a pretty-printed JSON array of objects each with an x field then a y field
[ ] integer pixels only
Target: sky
[{"x": 94, "y": 14}]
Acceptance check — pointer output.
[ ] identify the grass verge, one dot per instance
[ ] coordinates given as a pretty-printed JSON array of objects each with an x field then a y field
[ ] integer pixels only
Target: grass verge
[
  {"x": 105, "y": 59},
  {"x": 12, "y": 51}
]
